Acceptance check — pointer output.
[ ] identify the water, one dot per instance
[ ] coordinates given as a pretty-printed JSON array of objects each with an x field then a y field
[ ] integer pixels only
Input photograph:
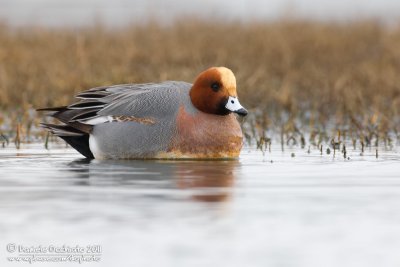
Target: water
[{"x": 277, "y": 210}]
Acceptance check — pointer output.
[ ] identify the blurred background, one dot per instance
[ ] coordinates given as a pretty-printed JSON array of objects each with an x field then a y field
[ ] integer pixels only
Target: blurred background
[
  {"x": 315, "y": 67},
  {"x": 120, "y": 12}
]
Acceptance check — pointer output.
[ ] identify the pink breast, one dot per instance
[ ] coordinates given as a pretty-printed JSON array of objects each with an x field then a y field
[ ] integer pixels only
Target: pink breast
[{"x": 207, "y": 135}]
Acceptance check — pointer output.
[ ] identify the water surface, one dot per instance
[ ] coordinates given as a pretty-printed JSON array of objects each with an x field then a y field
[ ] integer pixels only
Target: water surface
[{"x": 272, "y": 210}]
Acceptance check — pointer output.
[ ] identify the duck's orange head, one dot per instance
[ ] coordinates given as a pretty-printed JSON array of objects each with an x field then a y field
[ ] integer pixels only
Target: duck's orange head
[{"x": 214, "y": 92}]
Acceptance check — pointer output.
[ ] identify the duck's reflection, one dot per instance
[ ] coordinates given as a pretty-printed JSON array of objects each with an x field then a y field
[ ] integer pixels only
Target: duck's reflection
[
  {"x": 206, "y": 181},
  {"x": 212, "y": 180}
]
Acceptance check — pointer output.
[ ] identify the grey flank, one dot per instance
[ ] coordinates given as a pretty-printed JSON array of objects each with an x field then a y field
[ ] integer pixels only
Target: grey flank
[{"x": 158, "y": 102}]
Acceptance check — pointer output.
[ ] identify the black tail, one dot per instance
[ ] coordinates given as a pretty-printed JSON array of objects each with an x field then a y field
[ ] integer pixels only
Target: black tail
[
  {"x": 74, "y": 133},
  {"x": 80, "y": 143}
]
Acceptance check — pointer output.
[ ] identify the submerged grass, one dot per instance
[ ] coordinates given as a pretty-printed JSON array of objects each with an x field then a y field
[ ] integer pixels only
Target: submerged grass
[{"x": 306, "y": 83}]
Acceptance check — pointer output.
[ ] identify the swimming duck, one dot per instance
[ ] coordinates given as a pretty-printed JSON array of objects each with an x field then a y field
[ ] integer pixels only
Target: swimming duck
[{"x": 167, "y": 120}]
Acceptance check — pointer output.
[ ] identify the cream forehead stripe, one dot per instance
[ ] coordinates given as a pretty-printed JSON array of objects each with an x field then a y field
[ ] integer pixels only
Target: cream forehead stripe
[{"x": 227, "y": 77}]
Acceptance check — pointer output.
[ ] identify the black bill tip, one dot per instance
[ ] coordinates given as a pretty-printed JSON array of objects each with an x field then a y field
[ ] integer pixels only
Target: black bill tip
[{"x": 241, "y": 112}]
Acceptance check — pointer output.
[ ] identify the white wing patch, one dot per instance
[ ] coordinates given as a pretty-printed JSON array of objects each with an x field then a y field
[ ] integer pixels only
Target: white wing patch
[{"x": 98, "y": 120}]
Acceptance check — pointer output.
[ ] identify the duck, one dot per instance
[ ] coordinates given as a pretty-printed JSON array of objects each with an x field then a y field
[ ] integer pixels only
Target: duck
[{"x": 166, "y": 120}]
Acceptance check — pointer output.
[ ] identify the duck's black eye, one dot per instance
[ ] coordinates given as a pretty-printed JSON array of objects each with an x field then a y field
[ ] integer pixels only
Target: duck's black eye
[{"x": 215, "y": 86}]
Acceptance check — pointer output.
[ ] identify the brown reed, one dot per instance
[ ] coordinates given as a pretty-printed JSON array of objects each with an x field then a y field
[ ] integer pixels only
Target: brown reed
[{"x": 297, "y": 77}]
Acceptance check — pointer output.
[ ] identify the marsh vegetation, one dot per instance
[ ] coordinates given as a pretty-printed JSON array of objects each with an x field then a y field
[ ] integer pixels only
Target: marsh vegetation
[{"x": 306, "y": 83}]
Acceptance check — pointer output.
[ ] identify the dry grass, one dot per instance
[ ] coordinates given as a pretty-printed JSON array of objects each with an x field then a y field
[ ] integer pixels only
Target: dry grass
[{"x": 298, "y": 77}]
